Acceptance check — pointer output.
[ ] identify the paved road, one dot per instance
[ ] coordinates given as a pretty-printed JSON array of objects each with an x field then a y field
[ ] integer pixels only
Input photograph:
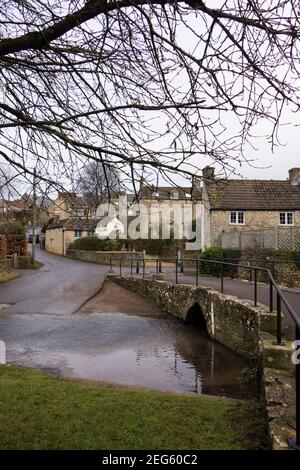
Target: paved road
[{"x": 61, "y": 286}]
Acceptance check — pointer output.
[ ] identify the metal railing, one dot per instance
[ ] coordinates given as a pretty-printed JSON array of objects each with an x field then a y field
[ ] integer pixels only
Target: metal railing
[{"x": 139, "y": 267}]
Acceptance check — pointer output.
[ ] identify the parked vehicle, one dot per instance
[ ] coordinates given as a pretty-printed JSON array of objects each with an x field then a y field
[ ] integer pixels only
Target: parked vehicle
[{"x": 30, "y": 238}]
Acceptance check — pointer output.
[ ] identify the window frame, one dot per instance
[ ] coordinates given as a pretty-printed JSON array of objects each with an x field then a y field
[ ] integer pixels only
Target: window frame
[
  {"x": 236, "y": 213},
  {"x": 286, "y": 214},
  {"x": 80, "y": 231}
]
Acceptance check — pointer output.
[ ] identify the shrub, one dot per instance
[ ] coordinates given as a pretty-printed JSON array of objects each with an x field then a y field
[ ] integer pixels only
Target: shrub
[
  {"x": 218, "y": 253},
  {"x": 291, "y": 255},
  {"x": 95, "y": 244},
  {"x": 26, "y": 262}
]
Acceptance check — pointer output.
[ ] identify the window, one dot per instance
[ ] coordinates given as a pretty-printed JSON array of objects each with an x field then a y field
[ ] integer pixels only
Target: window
[
  {"x": 237, "y": 218},
  {"x": 174, "y": 195},
  {"x": 77, "y": 233},
  {"x": 91, "y": 232},
  {"x": 286, "y": 218}
]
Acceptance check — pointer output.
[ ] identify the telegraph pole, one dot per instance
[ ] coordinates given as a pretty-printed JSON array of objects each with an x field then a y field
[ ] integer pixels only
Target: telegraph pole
[{"x": 33, "y": 216}]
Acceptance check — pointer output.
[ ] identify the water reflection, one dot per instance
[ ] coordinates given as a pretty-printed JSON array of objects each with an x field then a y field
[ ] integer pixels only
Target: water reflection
[{"x": 156, "y": 353}]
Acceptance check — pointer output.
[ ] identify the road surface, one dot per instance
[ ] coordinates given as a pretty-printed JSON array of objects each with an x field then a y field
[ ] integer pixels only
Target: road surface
[{"x": 61, "y": 286}]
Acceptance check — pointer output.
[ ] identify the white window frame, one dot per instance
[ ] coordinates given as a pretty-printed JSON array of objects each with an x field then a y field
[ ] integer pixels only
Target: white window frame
[
  {"x": 236, "y": 218},
  {"x": 286, "y": 224}
]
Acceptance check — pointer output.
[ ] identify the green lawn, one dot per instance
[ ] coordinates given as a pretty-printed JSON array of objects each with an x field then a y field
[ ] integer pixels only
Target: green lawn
[{"x": 41, "y": 412}]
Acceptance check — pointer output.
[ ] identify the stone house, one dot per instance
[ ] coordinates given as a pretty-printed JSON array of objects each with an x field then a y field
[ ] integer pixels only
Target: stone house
[
  {"x": 66, "y": 205},
  {"x": 61, "y": 233},
  {"x": 233, "y": 207}
]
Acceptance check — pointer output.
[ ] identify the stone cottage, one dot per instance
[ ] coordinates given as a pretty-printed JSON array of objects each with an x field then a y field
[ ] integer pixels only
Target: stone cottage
[
  {"x": 61, "y": 233},
  {"x": 251, "y": 213}
]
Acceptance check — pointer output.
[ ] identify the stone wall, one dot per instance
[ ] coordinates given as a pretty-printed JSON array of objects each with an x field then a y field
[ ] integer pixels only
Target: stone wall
[
  {"x": 254, "y": 220},
  {"x": 285, "y": 273},
  {"x": 230, "y": 321},
  {"x": 58, "y": 239},
  {"x": 245, "y": 329},
  {"x": 104, "y": 257}
]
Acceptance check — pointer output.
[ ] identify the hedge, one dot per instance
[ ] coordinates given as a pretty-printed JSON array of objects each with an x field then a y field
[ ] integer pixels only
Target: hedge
[
  {"x": 219, "y": 254},
  {"x": 95, "y": 244}
]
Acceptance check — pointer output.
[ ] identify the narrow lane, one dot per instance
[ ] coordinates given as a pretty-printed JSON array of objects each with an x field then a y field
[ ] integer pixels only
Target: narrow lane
[{"x": 61, "y": 286}]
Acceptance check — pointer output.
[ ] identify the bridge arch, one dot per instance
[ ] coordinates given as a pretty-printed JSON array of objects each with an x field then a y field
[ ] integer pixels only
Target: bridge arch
[{"x": 196, "y": 317}]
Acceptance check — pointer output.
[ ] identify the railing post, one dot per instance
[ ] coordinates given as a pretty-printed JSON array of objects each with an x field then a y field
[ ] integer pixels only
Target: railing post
[
  {"x": 120, "y": 267},
  {"x": 137, "y": 266},
  {"x": 197, "y": 272},
  {"x": 110, "y": 264},
  {"x": 255, "y": 287},
  {"x": 143, "y": 269},
  {"x": 222, "y": 278},
  {"x": 130, "y": 267},
  {"x": 250, "y": 264},
  {"x": 181, "y": 265},
  {"x": 176, "y": 270},
  {"x": 278, "y": 306},
  {"x": 156, "y": 267},
  {"x": 159, "y": 267},
  {"x": 271, "y": 296}
]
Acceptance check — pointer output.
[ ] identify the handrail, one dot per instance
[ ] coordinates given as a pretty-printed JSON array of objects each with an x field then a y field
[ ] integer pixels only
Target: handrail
[{"x": 281, "y": 299}]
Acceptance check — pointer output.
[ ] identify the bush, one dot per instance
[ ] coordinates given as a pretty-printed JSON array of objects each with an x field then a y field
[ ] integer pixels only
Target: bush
[
  {"x": 291, "y": 255},
  {"x": 95, "y": 244},
  {"x": 15, "y": 229},
  {"x": 218, "y": 253},
  {"x": 16, "y": 244},
  {"x": 26, "y": 262}
]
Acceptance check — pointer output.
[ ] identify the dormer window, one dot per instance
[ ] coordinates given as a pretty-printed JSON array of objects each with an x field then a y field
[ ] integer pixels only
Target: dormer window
[{"x": 174, "y": 195}]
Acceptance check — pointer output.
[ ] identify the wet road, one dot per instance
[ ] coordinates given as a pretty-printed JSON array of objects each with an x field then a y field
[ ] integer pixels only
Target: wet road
[
  {"x": 44, "y": 328},
  {"x": 61, "y": 286}
]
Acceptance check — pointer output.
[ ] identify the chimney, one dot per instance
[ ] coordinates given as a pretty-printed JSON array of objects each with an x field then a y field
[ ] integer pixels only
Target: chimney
[
  {"x": 208, "y": 173},
  {"x": 294, "y": 176},
  {"x": 197, "y": 183}
]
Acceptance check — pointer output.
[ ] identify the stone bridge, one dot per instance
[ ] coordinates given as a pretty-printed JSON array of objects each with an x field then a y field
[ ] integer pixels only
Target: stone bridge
[
  {"x": 243, "y": 328},
  {"x": 231, "y": 321}
]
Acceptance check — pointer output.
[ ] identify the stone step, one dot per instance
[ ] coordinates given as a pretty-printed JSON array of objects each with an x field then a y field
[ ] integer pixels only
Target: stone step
[{"x": 278, "y": 356}]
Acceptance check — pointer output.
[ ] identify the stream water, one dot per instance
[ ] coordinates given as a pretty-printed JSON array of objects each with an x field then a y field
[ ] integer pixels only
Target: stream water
[{"x": 159, "y": 353}]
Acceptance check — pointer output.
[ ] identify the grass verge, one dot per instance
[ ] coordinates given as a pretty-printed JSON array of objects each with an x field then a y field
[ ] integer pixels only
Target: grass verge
[
  {"x": 4, "y": 277},
  {"x": 38, "y": 411}
]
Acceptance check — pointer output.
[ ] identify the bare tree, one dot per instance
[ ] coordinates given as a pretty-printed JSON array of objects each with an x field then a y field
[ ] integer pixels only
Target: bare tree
[
  {"x": 142, "y": 86},
  {"x": 94, "y": 182}
]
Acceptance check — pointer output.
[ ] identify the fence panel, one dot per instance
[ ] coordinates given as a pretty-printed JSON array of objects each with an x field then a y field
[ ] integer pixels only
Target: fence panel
[{"x": 280, "y": 238}]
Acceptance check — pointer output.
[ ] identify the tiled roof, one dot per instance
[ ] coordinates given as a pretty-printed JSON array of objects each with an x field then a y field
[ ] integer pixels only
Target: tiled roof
[
  {"x": 73, "y": 223},
  {"x": 165, "y": 192},
  {"x": 253, "y": 195}
]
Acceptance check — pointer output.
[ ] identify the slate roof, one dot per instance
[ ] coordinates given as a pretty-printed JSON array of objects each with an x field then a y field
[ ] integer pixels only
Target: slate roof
[{"x": 253, "y": 195}]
